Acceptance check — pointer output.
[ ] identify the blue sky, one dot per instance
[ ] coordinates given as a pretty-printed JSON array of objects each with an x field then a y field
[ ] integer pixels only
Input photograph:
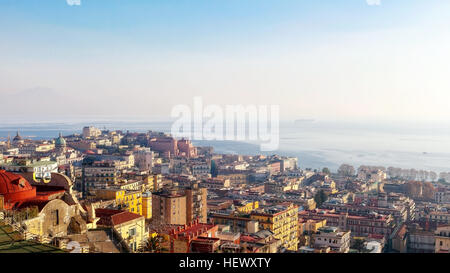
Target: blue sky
[{"x": 322, "y": 59}]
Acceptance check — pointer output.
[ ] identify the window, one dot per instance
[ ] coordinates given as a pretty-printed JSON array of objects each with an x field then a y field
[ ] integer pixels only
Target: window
[
  {"x": 132, "y": 231},
  {"x": 55, "y": 217}
]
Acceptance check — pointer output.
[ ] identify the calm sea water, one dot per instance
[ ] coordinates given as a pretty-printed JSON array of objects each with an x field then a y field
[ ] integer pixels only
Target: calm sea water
[{"x": 317, "y": 144}]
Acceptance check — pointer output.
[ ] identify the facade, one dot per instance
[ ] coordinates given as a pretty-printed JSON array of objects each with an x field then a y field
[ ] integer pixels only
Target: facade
[
  {"x": 282, "y": 220},
  {"x": 191, "y": 237},
  {"x": 332, "y": 237},
  {"x": 442, "y": 239},
  {"x": 130, "y": 226},
  {"x": 39, "y": 167},
  {"x": 200, "y": 169},
  {"x": 99, "y": 174},
  {"x": 216, "y": 183},
  {"x": 421, "y": 241},
  {"x": 143, "y": 159},
  {"x": 359, "y": 225},
  {"x": 438, "y": 217},
  {"x": 124, "y": 199},
  {"x": 147, "y": 205},
  {"x": 169, "y": 207},
  {"x": 91, "y": 132},
  {"x": 196, "y": 203},
  {"x": 237, "y": 223},
  {"x": 246, "y": 206}
]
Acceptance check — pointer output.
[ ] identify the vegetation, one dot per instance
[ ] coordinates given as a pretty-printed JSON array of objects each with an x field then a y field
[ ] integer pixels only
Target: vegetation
[
  {"x": 420, "y": 190},
  {"x": 359, "y": 245},
  {"x": 214, "y": 170},
  {"x": 154, "y": 245},
  {"x": 320, "y": 198},
  {"x": 326, "y": 171}
]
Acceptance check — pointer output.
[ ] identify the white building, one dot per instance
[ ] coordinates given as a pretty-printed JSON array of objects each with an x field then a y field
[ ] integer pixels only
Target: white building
[{"x": 338, "y": 241}]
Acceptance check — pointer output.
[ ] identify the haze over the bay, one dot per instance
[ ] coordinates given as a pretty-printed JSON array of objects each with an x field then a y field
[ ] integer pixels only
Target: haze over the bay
[{"x": 342, "y": 60}]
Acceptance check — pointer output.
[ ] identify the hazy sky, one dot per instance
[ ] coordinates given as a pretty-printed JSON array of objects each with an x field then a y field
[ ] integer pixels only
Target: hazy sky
[{"x": 327, "y": 59}]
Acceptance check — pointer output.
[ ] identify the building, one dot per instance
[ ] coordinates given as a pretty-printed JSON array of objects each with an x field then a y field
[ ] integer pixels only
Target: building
[
  {"x": 143, "y": 159},
  {"x": 263, "y": 241},
  {"x": 338, "y": 241},
  {"x": 239, "y": 224},
  {"x": 147, "y": 205},
  {"x": 186, "y": 148},
  {"x": 98, "y": 174},
  {"x": 42, "y": 211},
  {"x": 442, "y": 239},
  {"x": 200, "y": 169},
  {"x": 130, "y": 226},
  {"x": 442, "y": 218},
  {"x": 196, "y": 203},
  {"x": 60, "y": 145},
  {"x": 169, "y": 147},
  {"x": 169, "y": 207},
  {"x": 359, "y": 225},
  {"x": 245, "y": 206},
  {"x": 91, "y": 132},
  {"x": 191, "y": 237},
  {"x": 420, "y": 241},
  {"x": 282, "y": 220},
  {"x": 42, "y": 168},
  {"x": 124, "y": 199},
  {"x": 216, "y": 183}
]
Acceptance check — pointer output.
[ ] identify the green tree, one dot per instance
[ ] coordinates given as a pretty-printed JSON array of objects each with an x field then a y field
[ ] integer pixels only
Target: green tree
[
  {"x": 320, "y": 198},
  {"x": 326, "y": 171},
  {"x": 214, "y": 171},
  {"x": 154, "y": 245},
  {"x": 359, "y": 245}
]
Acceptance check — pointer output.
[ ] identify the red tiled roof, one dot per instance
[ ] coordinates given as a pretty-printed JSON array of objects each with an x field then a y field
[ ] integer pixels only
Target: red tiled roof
[
  {"x": 246, "y": 238},
  {"x": 109, "y": 217}
]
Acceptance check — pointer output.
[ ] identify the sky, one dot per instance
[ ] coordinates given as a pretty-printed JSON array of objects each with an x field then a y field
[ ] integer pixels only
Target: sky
[{"x": 374, "y": 60}]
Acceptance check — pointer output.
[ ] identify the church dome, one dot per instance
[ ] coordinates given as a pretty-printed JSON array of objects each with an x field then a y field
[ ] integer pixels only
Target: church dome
[
  {"x": 60, "y": 141},
  {"x": 15, "y": 188},
  {"x": 17, "y": 137}
]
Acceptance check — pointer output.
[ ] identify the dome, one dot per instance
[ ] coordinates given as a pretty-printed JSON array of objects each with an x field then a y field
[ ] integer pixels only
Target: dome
[
  {"x": 60, "y": 141},
  {"x": 17, "y": 137},
  {"x": 15, "y": 188}
]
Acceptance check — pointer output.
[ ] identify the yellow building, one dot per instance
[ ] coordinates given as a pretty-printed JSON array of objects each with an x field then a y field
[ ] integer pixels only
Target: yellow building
[
  {"x": 314, "y": 225},
  {"x": 152, "y": 182},
  {"x": 127, "y": 200},
  {"x": 282, "y": 220},
  {"x": 130, "y": 226},
  {"x": 247, "y": 207},
  {"x": 147, "y": 205}
]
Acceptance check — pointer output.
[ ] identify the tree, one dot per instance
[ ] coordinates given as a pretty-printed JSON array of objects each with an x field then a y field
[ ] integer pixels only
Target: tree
[
  {"x": 320, "y": 198},
  {"x": 359, "y": 245},
  {"x": 214, "y": 171},
  {"x": 326, "y": 171},
  {"x": 154, "y": 244},
  {"x": 346, "y": 170}
]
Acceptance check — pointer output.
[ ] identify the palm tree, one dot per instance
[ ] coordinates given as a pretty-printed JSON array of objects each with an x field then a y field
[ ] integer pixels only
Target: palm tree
[{"x": 153, "y": 245}]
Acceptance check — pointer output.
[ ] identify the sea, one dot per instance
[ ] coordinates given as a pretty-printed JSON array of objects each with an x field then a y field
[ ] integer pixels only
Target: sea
[{"x": 316, "y": 144}]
